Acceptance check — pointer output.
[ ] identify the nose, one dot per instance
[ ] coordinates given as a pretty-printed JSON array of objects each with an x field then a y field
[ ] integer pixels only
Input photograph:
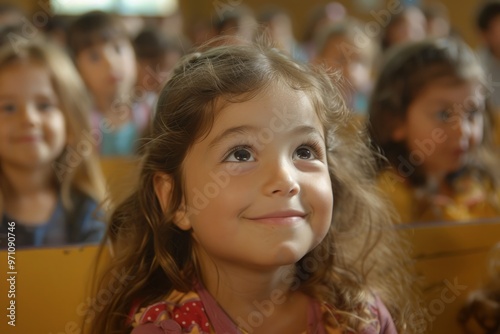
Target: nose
[
  {"x": 463, "y": 127},
  {"x": 29, "y": 114},
  {"x": 281, "y": 179},
  {"x": 109, "y": 58}
]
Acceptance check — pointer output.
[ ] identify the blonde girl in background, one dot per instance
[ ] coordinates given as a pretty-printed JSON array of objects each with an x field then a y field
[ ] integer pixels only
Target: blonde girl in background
[
  {"x": 256, "y": 210},
  {"x": 50, "y": 182}
]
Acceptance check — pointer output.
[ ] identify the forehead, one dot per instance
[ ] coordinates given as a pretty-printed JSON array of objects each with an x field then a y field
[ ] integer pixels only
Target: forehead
[
  {"x": 452, "y": 89},
  {"x": 22, "y": 69},
  {"x": 273, "y": 106}
]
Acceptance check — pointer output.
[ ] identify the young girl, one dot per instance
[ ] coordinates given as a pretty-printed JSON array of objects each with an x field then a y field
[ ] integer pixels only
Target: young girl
[
  {"x": 106, "y": 61},
  {"x": 427, "y": 114},
  {"x": 50, "y": 183},
  {"x": 337, "y": 47},
  {"x": 234, "y": 229}
]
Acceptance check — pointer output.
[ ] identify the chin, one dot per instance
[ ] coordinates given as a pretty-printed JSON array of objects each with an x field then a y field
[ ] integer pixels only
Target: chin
[{"x": 288, "y": 255}]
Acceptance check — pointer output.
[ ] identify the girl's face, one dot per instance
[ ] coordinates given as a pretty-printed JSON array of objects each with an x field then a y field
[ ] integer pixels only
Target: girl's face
[
  {"x": 108, "y": 69},
  {"x": 340, "y": 53},
  {"x": 411, "y": 27},
  {"x": 32, "y": 127},
  {"x": 443, "y": 124},
  {"x": 257, "y": 187}
]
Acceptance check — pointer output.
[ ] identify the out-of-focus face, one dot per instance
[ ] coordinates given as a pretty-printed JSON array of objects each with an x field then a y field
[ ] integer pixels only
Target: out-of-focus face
[
  {"x": 244, "y": 28},
  {"x": 410, "y": 27},
  {"x": 443, "y": 124},
  {"x": 108, "y": 69},
  {"x": 341, "y": 53},
  {"x": 152, "y": 73},
  {"x": 32, "y": 126}
]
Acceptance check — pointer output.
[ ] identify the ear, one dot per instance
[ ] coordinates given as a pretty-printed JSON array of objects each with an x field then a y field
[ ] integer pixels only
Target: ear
[{"x": 162, "y": 183}]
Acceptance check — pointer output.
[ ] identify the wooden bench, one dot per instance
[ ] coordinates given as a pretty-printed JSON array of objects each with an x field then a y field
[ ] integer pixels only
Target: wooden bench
[
  {"x": 52, "y": 284},
  {"x": 51, "y": 289},
  {"x": 452, "y": 260}
]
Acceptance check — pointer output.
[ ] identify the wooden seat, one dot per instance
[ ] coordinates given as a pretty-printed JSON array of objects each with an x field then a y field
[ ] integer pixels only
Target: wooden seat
[
  {"x": 52, "y": 284},
  {"x": 51, "y": 289},
  {"x": 452, "y": 259}
]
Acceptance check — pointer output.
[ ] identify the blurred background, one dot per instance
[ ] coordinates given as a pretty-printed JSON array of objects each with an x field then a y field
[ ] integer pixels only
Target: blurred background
[{"x": 197, "y": 12}]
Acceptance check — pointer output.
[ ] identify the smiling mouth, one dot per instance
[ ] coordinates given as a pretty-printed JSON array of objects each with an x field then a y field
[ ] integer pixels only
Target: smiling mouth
[
  {"x": 283, "y": 218},
  {"x": 28, "y": 139}
]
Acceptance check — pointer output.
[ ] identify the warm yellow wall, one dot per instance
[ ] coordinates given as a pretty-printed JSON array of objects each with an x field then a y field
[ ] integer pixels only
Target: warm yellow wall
[{"x": 461, "y": 12}]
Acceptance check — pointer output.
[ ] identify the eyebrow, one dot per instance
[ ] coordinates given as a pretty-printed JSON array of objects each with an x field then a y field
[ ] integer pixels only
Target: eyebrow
[{"x": 248, "y": 129}]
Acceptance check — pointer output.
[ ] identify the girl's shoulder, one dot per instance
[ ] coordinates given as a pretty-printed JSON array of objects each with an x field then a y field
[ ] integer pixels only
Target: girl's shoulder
[{"x": 178, "y": 313}]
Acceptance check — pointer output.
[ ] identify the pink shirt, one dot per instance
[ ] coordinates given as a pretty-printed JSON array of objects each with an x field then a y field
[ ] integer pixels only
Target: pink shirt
[{"x": 198, "y": 313}]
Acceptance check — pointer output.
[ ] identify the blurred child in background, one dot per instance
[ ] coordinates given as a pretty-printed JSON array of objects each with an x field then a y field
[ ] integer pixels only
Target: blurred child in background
[
  {"x": 106, "y": 61},
  {"x": 437, "y": 20},
  {"x": 338, "y": 49},
  {"x": 278, "y": 25},
  {"x": 320, "y": 17},
  {"x": 238, "y": 21},
  {"x": 50, "y": 183},
  {"x": 427, "y": 114},
  {"x": 407, "y": 26},
  {"x": 156, "y": 55}
]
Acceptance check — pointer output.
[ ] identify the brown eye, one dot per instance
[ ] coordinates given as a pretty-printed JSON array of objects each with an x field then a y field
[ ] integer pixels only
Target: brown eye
[
  {"x": 304, "y": 153},
  {"x": 240, "y": 154}
]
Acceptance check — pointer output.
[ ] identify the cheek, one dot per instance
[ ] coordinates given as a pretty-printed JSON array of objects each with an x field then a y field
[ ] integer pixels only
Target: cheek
[
  {"x": 57, "y": 129},
  {"x": 4, "y": 136},
  {"x": 477, "y": 134},
  {"x": 323, "y": 200}
]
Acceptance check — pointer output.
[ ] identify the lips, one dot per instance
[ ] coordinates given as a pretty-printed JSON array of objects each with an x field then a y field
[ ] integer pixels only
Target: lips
[
  {"x": 285, "y": 217},
  {"x": 114, "y": 78},
  {"x": 28, "y": 139}
]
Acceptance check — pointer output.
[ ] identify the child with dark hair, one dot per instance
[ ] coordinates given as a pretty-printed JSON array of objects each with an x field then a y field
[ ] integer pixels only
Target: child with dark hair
[
  {"x": 156, "y": 56},
  {"x": 428, "y": 116},
  {"x": 105, "y": 59},
  {"x": 407, "y": 26},
  {"x": 238, "y": 21}
]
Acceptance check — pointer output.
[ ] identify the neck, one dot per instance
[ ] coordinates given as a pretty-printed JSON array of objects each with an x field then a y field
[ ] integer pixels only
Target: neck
[
  {"x": 242, "y": 292},
  {"x": 105, "y": 103},
  {"x": 18, "y": 182}
]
